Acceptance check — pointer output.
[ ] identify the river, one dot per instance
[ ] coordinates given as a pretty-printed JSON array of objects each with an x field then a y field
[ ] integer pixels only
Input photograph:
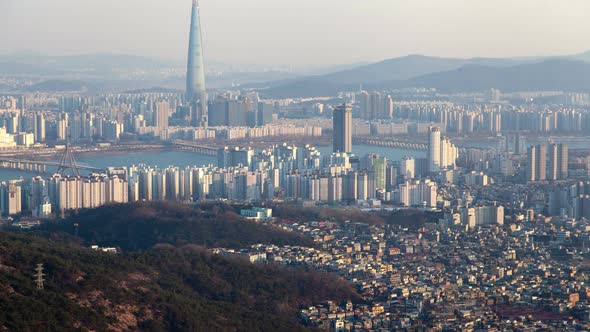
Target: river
[{"x": 182, "y": 159}]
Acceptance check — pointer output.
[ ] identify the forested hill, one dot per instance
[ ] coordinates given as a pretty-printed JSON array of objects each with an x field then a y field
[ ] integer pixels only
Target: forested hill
[
  {"x": 172, "y": 289},
  {"x": 141, "y": 225}
]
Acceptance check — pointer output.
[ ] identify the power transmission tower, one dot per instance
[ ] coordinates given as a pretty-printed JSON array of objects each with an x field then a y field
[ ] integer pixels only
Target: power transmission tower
[
  {"x": 68, "y": 162},
  {"x": 39, "y": 276}
]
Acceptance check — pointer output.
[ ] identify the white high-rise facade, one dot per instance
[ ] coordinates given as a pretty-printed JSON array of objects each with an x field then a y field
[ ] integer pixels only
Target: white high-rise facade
[
  {"x": 442, "y": 153},
  {"x": 434, "y": 152}
]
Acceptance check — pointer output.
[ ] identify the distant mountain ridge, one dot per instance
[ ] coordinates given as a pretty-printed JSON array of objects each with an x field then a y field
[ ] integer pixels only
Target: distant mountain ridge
[
  {"x": 124, "y": 72},
  {"x": 85, "y": 62},
  {"x": 550, "y": 75},
  {"x": 99, "y": 73},
  {"x": 408, "y": 67},
  {"x": 430, "y": 72}
]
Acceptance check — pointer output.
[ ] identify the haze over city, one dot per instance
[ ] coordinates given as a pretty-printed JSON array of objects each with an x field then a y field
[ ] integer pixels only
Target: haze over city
[
  {"x": 299, "y": 33},
  {"x": 278, "y": 165}
]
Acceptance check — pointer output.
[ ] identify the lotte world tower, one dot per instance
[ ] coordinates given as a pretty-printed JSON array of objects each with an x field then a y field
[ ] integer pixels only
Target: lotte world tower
[{"x": 196, "y": 94}]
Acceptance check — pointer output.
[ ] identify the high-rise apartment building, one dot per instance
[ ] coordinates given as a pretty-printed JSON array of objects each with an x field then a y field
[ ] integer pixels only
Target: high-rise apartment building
[
  {"x": 417, "y": 192},
  {"x": 375, "y": 106},
  {"x": 10, "y": 197},
  {"x": 557, "y": 162},
  {"x": 236, "y": 113},
  {"x": 62, "y": 126},
  {"x": 448, "y": 154},
  {"x": 162, "y": 115},
  {"x": 264, "y": 113},
  {"x": 442, "y": 153},
  {"x": 13, "y": 123},
  {"x": 72, "y": 193},
  {"x": 342, "y": 124},
  {"x": 407, "y": 168},
  {"x": 537, "y": 163},
  {"x": 531, "y": 163},
  {"x": 434, "y": 149},
  {"x": 541, "y": 163}
]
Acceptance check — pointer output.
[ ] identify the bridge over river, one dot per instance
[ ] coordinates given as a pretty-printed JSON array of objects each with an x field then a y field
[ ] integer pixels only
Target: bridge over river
[{"x": 39, "y": 166}]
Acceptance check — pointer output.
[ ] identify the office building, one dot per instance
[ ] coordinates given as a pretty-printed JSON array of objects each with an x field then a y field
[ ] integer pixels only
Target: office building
[
  {"x": 39, "y": 127},
  {"x": 342, "y": 125}
]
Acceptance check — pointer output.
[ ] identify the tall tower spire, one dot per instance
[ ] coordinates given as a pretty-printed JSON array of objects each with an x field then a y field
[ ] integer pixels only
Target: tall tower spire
[{"x": 195, "y": 73}]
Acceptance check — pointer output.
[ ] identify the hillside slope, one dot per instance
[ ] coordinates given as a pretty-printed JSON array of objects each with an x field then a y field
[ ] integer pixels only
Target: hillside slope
[
  {"x": 182, "y": 289},
  {"x": 141, "y": 225}
]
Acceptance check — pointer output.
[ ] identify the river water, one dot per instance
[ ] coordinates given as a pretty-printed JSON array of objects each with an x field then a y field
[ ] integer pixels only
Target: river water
[{"x": 182, "y": 159}]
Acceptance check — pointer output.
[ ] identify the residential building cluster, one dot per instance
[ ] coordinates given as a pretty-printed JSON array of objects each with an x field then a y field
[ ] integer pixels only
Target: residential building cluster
[
  {"x": 374, "y": 105},
  {"x": 462, "y": 119},
  {"x": 547, "y": 162},
  {"x": 17, "y": 130},
  {"x": 42, "y": 197},
  {"x": 493, "y": 276},
  {"x": 242, "y": 174},
  {"x": 110, "y": 117}
]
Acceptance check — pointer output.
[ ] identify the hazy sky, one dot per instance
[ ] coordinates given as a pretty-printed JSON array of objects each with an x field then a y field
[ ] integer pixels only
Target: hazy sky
[{"x": 298, "y": 32}]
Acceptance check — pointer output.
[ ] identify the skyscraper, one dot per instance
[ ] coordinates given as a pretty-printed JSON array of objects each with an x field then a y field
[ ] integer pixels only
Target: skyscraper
[
  {"x": 342, "y": 124},
  {"x": 195, "y": 73},
  {"x": 39, "y": 127}
]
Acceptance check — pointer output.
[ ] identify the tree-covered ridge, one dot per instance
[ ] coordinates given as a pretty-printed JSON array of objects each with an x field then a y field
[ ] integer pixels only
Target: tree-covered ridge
[
  {"x": 171, "y": 289},
  {"x": 138, "y": 226}
]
